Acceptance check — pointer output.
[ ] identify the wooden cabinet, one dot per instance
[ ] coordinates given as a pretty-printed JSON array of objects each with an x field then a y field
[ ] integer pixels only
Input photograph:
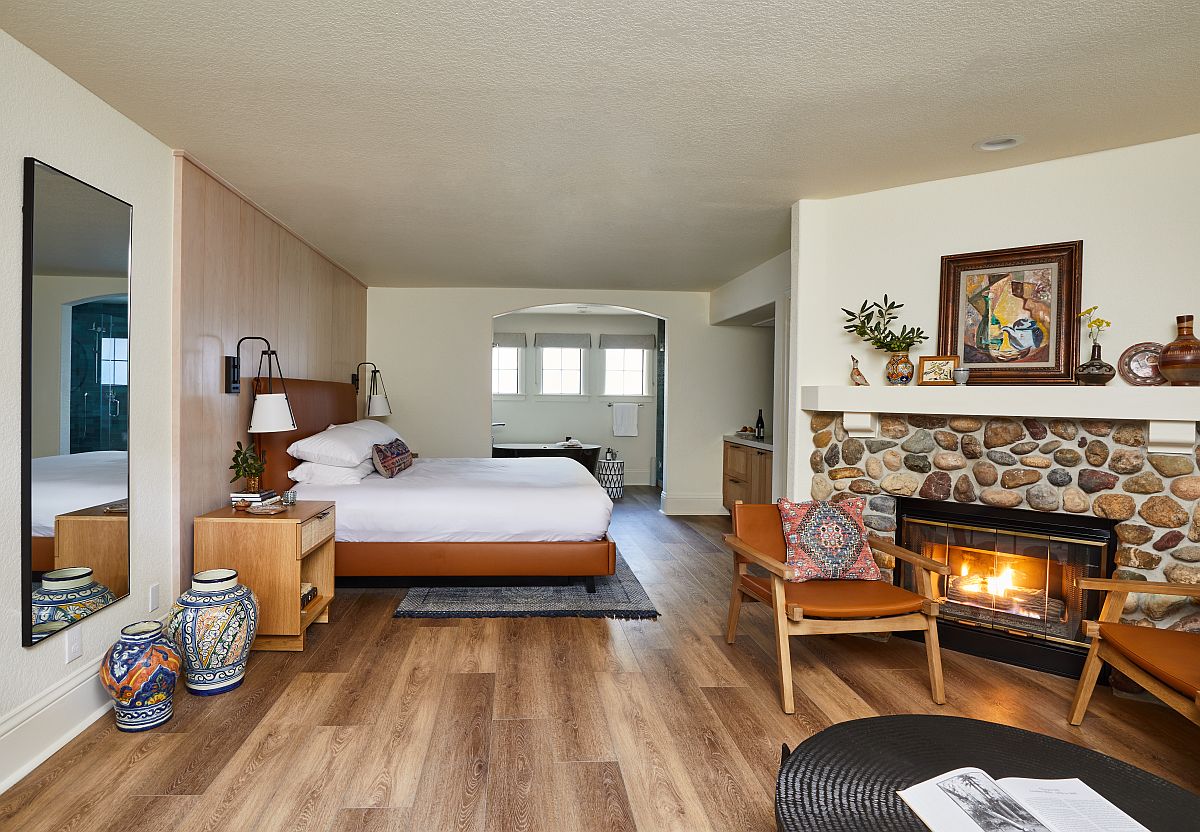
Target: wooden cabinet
[
  {"x": 746, "y": 475},
  {"x": 96, "y": 538},
  {"x": 760, "y": 483},
  {"x": 273, "y": 555}
]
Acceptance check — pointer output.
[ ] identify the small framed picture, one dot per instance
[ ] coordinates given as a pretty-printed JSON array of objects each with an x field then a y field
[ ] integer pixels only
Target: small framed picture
[{"x": 937, "y": 369}]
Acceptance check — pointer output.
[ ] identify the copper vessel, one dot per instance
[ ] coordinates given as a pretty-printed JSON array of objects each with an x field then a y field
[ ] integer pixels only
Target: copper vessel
[{"x": 1180, "y": 361}]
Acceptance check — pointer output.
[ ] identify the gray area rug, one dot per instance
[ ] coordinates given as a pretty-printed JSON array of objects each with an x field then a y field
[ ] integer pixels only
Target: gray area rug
[{"x": 619, "y": 596}]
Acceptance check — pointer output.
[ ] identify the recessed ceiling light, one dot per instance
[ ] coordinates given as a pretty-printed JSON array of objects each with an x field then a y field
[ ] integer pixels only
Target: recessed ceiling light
[{"x": 999, "y": 142}]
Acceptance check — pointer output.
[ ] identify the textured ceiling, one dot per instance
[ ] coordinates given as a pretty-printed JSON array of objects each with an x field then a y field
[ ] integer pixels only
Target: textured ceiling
[
  {"x": 77, "y": 230},
  {"x": 616, "y": 143}
]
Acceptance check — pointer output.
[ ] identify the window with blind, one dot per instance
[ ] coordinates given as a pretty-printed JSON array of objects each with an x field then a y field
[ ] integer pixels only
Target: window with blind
[
  {"x": 627, "y": 364},
  {"x": 508, "y": 349},
  {"x": 561, "y": 363}
]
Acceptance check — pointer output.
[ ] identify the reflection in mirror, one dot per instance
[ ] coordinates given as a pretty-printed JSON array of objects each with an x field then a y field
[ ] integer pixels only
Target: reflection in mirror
[{"x": 76, "y": 400}]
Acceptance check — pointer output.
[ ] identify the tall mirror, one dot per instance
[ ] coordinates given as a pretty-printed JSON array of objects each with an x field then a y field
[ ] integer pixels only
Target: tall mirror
[{"x": 75, "y": 400}]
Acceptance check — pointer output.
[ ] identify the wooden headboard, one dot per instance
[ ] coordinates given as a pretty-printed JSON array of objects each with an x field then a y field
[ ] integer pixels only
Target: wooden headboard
[{"x": 316, "y": 405}]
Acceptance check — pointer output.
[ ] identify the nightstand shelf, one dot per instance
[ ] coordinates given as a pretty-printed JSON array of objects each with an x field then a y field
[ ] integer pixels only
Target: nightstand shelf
[
  {"x": 273, "y": 555},
  {"x": 316, "y": 607}
]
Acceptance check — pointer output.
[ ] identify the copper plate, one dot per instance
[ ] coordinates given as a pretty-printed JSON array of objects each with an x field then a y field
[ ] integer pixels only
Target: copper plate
[{"x": 1139, "y": 365}]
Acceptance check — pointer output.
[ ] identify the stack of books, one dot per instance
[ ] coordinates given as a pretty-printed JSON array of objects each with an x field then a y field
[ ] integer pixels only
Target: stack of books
[
  {"x": 307, "y": 593},
  {"x": 254, "y": 498}
]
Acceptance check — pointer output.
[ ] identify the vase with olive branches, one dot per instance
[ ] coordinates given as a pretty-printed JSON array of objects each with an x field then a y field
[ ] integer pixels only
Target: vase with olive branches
[{"x": 873, "y": 324}]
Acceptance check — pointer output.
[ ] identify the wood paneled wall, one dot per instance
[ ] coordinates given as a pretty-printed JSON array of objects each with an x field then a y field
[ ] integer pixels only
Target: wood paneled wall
[{"x": 241, "y": 273}]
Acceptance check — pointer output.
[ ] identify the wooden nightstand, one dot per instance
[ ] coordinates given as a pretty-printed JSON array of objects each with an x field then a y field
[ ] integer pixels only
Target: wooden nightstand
[
  {"x": 273, "y": 555},
  {"x": 93, "y": 537}
]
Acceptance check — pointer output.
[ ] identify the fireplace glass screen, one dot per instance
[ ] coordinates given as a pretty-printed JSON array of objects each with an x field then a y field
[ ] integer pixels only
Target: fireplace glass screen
[{"x": 1008, "y": 580}]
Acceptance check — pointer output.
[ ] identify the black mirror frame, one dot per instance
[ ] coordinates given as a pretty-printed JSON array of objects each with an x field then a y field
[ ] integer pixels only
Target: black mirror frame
[{"x": 27, "y": 214}]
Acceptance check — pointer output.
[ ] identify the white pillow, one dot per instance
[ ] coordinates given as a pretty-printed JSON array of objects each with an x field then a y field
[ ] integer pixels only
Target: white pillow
[
  {"x": 381, "y": 434},
  {"x": 345, "y": 445},
  {"x": 315, "y": 473}
]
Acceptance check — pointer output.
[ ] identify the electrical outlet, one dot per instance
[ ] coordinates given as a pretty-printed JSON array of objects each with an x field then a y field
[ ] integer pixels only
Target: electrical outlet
[
  {"x": 74, "y": 642},
  {"x": 153, "y": 599}
]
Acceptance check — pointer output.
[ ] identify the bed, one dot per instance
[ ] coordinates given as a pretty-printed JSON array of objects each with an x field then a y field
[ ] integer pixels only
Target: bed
[
  {"x": 451, "y": 517},
  {"x": 66, "y": 483}
]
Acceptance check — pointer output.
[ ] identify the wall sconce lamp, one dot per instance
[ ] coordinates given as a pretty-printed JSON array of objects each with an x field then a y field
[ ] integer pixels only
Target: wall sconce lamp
[
  {"x": 377, "y": 400},
  {"x": 270, "y": 412}
]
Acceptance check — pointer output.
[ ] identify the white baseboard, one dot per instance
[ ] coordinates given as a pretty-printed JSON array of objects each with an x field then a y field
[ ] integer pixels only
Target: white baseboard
[
  {"x": 635, "y": 477},
  {"x": 692, "y": 504},
  {"x": 44, "y": 724}
]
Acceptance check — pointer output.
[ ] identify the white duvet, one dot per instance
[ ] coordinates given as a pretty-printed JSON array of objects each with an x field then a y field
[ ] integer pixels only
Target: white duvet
[
  {"x": 69, "y": 482},
  {"x": 471, "y": 501}
]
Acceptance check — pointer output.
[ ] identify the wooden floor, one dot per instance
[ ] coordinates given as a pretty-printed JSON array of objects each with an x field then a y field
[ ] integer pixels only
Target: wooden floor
[{"x": 540, "y": 724}]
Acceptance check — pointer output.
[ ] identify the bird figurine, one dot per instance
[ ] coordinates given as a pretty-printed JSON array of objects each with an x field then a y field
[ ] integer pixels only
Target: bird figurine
[{"x": 856, "y": 376}]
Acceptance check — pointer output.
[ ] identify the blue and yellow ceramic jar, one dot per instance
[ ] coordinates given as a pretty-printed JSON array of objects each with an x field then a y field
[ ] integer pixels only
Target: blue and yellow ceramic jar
[
  {"x": 67, "y": 595},
  {"x": 213, "y": 625},
  {"x": 139, "y": 672}
]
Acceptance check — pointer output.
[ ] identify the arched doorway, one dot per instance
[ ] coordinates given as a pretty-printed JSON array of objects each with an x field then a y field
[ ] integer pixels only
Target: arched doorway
[{"x": 593, "y": 372}]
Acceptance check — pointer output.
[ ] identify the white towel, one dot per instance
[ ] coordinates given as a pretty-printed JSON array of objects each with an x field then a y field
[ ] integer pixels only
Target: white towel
[{"x": 625, "y": 418}]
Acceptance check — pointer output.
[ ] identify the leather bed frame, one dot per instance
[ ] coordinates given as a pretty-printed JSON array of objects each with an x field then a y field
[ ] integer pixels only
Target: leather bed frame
[{"x": 318, "y": 404}]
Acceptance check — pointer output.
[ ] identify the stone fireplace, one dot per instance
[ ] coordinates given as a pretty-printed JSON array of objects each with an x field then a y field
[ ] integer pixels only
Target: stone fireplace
[{"x": 1095, "y": 469}]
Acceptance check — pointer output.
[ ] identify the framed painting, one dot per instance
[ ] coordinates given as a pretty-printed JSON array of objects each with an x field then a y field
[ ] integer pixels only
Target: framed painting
[
  {"x": 1012, "y": 315},
  {"x": 937, "y": 370}
]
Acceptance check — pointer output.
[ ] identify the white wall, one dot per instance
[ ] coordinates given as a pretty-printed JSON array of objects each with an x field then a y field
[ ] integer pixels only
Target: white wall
[
  {"x": 1137, "y": 210},
  {"x": 534, "y": 418},
  {"x": 43, "y": 700},
  {"x": 434, "y": 346},
  {"x": 761, "y": 293},
  {"x": 762, "y": 286}
]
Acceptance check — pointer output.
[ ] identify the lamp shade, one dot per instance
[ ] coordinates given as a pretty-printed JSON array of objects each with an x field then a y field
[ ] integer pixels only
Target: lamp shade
[
  {"x": 271, "y": 413},
  {"x": 377, "y": 405}
]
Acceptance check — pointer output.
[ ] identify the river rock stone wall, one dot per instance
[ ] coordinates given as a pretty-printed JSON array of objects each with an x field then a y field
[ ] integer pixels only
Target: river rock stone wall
[{"x": 1075, "y": 466}]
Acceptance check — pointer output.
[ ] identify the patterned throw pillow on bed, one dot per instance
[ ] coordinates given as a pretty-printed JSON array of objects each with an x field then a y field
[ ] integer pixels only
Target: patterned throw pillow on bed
[
  {"x": 828, "y": 541},
  {"x": 392, "y": 458}
]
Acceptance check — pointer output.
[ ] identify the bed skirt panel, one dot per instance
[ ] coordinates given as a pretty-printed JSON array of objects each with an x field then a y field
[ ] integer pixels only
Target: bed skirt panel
[{"x": 573, "y": 559}]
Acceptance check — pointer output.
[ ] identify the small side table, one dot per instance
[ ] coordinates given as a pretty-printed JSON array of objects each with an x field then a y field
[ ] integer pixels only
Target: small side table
[
  {"x": 611, "y": 474},
  {"x": 274, "y": 554}
]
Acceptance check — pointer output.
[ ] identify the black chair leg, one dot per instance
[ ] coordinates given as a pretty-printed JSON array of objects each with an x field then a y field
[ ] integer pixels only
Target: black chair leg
[{"x": 589, "y": 583}]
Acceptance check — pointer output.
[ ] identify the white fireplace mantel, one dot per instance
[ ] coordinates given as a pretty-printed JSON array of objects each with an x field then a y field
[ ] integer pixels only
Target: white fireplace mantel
[{"x": 1171, "y": 411}]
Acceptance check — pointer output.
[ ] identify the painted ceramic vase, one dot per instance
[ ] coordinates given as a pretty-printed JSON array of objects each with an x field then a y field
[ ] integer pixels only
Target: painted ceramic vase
[
  {"x": 67, "y": 595},
  {"x": 899, "y": 369},
  {"x": 1180, "y": 359},
  {"x": 139, "y": 672},
  {"x": 1095, "y": 371},
  {"x": 213, "y": 625}
]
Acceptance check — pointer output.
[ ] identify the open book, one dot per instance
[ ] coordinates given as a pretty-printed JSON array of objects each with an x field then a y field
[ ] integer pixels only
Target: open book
[{"x": 968, "y": 800}]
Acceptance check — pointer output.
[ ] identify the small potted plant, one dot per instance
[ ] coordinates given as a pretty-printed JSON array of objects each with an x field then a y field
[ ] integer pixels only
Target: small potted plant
[
  {"x": 1095, "y": 370},
  {"x": 249, "y": 464},
  {"x": 873, "y": 324}
]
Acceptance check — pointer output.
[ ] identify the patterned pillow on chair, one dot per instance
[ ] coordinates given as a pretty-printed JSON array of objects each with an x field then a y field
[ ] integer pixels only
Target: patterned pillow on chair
[
  {"x": 392, "y": 458},
  {"x": 828, "y": 541}
]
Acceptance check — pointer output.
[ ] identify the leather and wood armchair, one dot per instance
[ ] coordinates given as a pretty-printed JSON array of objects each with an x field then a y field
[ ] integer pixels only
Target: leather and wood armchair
[
  {"x": 827, "y": 607},
  {"x": 1164, "y": 662}
]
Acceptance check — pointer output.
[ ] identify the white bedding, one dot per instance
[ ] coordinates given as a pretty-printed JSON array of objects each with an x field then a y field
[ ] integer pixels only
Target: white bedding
[
  {"x": 69, "y": 482},
  {"x": 471, "y": 501}
]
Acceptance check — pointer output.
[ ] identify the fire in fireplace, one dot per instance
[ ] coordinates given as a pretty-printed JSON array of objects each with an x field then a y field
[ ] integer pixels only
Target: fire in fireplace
[{"x": 1011, "y": 591}]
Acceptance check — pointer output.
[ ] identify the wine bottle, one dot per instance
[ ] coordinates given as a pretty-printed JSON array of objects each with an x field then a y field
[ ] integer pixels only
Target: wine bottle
[{"x": 760, "y": 427}]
